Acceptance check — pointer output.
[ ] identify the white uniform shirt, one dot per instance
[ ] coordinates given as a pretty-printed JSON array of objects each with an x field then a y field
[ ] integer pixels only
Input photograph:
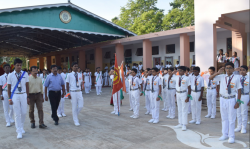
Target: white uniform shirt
[
  {"x": 134, "y": 82},
  {"x": 106, "y": 68},
  {"x": 12, "y": 80},
  {"x": 172, "y": 82},
  {"x": 185, "y": 82},
  {"x": 199, "y": 82},
  {"x": 73, "y": 84},
  {"x": 147, "y": 83},
  {"x": 177, "y": 65},
  {"x": 87, "y": 78},
  {"x": 224, "y": 79},
  {"x": 206, "y": 81},
  {"x": 140, "y": 67},
  {"x": 235, "y": 60},
  {"x": 3, "y": 81},
  {"x": 98, "y": 78},
  {"x": 220, "y": 58},
  {"x": 246, "y": 83},
  {"x": 155, "y": 81},
  {"x": 165, "y": 81}
]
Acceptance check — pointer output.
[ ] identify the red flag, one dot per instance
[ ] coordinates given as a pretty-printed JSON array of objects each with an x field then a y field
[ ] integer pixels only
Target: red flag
[
  {"x": 123, "y": 79},
  {"x": 117, "y": 83}
]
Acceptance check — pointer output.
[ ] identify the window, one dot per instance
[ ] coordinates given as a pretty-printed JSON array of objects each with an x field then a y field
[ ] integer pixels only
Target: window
[
  {"x": 128, "y": 53},
  {"x": 91, "y": 57},
  {"x": 229, "y": 44},
  {"x": 170, "y": 48},
  {"x": 62, "y": 59},
  {"x": 139, "y": 52},
  {"x": 191, "y": 46},
  {"x": 67, "y": 59},
  {"x": 155, "y": 50},
  {"x": 107, "y": 55}
]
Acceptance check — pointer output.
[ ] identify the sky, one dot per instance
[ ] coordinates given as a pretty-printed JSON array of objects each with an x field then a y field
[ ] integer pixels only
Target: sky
[{"x": 107, "y": 9}]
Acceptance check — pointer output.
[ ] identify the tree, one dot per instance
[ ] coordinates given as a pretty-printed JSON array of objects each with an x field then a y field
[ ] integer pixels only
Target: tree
[
  {"x": 140, "y": 16},
  {"x": 10, "y": 60},
  {"x": 181, "y": 15}
]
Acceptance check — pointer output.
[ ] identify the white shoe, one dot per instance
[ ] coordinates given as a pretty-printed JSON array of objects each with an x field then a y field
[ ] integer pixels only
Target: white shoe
[
  {"x": 222, "y": 138},
  {"x": 189, "y": 112},
  {"x": 243, "y": 130},
  {"x": 184, "y": 127},
  {"x": 147, "y": 113},
  {"x": 207, "y": 116},
  {"x": 191, "y": 122},
  {"x": 131, "y": 109},
  {"x": 172, "y": 117},
  {"x": 198, "y": 123},
  {"x": 231, "y": 140},
  {"x": 213, "y": 117},
  {"x": 12, "y": 121},
  {"x": 132, "y": 116},
  {"x": 168, "y": 116},
  {"x": 64, "y": 115},
  {"x": 136, "y": 116},
  {"x": 113, "y": 112},
  {"x": 163, "y": 109},
  {"x": 19, "y": 136},
  {"x": 59, "y": 115},
  {"x": 150, "y": 113},
  {"x": 238, "y": 129},
  {"x": 77, "y": 124},
  {"x": 178, "y": 126},
  {"x": 151, "y": 121},
  {"x": 8, "y": 125},
  {"x": 155, "y": 121},
  {"x": 23, "y": 131},
  {"x": 117, "y": 113}
]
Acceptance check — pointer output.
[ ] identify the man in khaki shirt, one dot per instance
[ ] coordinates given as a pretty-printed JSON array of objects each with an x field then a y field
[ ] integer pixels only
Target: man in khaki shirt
[{"x": 36, "y": 97}]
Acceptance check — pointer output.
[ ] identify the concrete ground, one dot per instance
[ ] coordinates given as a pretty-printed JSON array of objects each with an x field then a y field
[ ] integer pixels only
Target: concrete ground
[{"x": 101, "y": 130}]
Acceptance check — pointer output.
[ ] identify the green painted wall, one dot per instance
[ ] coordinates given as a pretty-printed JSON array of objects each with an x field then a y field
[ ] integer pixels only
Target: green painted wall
[{"x": 49, "y": 17}]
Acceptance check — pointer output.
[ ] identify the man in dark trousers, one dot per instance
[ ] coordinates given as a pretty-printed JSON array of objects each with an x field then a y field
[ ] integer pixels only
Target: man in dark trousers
[{"x": 55, "y": 84}]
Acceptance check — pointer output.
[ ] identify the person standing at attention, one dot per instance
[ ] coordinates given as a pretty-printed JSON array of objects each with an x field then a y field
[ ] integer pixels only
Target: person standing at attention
[
  {"x": 54, "y": 83},
  {"x": 98, "y": 81},
  {"x": 20, "y": 99},
  {"x": 36, "y": 97}
]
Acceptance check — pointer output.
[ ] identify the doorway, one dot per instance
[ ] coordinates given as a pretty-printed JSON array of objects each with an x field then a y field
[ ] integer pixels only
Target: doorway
[
  {"x": 156, "y": 60},
  {"x": 169, "y": 59}
]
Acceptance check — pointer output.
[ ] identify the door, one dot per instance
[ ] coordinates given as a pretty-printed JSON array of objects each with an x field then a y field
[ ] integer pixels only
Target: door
[
  {"x": 169, "y": 59},
  {"x": 157, "y": 60}
]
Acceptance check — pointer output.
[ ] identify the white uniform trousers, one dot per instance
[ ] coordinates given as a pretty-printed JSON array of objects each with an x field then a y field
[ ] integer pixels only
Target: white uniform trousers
[
  {"x": 20, "y": 110},
  {"x": 60, "y": 109},
  {"x": 196, "y": 106},
  {"x": 242, "y": 112},
  {"x": 117, "y": 102},
  {"x": 182, "y": 108},
  {"x": 147, "y": 100},
  {"x": 8, "y": 109},
  {"x": 106, "y": 81},
  {"x": 211, "y": 102},
  {"x": 87, "y": 88},
  {"x": 171, "y": 98},
  {"x": 155, "y": 105},
  {"x": 166, "y": 100},
  {"x": 228, "y": 116},
  {"x": 98, "y": 89},
  {"x": 77, "y": 104},
  {"x": 110, "y": 82},
  {"x": 127, "y": 85},
  {"x": 135, "y": 97}
]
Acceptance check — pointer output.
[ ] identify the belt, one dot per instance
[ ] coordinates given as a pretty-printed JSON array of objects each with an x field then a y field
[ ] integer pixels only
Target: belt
[
  {"x": 196, "y": 91},
  {"x": 148, "y": 90},
  {"x": 181, "y": 91},
  {"x": 244, "y": 93},
  {"x": 34, "y": 93},
  {"x": 76, "y": 91},
  {"x": 171, "y": 88},
  {"x": 211, "y": 88},
  {"x": 154, "y": 91},
  {"x": 56, "y": 91},
  {"x": 134, "y": 89},
  {"x": 21, "y": 93},
  {"x": 228, "y": 97}
]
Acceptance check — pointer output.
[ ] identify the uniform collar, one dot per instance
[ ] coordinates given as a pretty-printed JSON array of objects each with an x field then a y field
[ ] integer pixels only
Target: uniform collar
[
  {"x": 229, "y": 76},
  {"x": 19, "y": 72}
]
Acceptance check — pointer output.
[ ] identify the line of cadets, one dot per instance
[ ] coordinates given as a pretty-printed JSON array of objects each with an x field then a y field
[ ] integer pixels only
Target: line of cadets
[{"x": 186, "y": 87}]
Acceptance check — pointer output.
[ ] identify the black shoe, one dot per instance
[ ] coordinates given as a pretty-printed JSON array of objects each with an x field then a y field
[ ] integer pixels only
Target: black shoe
[
  {"x": 42, "y": 126},
  {"x": 56, "y": 122},
  {"x": 33, "y": 125}
]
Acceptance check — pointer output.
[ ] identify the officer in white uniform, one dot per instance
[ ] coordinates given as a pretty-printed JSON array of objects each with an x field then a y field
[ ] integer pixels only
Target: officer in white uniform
[
  {"x": 20, "y": 98},
  {"x": 8, "y": 109},
  {"x": 230, "y": 91},
  {"x": 98, "y": 81},
  {"x": 197, "y": 87},
  {"x": 74, "y": 87}
]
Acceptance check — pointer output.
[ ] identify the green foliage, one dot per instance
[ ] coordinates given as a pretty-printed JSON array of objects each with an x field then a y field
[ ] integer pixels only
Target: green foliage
[
  {"x": 181, "y": 15},
  {"x": 10, "y": 60}
]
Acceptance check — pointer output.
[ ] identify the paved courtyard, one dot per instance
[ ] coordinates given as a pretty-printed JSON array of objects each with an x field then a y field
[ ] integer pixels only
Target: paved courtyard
[{"x": 101, "y": 130}]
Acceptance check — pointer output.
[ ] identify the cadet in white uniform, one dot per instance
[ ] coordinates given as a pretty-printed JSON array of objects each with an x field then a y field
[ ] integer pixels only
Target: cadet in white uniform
[
  {"x": 106, "y": 78},
  {"x": 211, "y": 93},
  {"x": 116, "y": 97},
  {"x": 8, "y": 109},
  {"x": 60, "y": 110},
  {"x": 242, "y": 111},
  {"x": 135, "y": 85},
  {"x": 235, "y": 61},
  {"x": 98, "y": 81},
  {"x": 155, "y": 84},
  {"x": 164, "y": 90},
  {"x": 177, "y": 64},
  {"x": 20, "y": 98},
  {"x": 230, "y": 87},
  {"x": 87, "y": 81},
  {"x": 140, "y": 66},
  {"x": 197, "y": 87},
  {"x": 147, "y": 90},
  {"x": 74, "y": 87},
  {"x": 183, "y": 91},
  {"x": 171, "y": 91}
]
